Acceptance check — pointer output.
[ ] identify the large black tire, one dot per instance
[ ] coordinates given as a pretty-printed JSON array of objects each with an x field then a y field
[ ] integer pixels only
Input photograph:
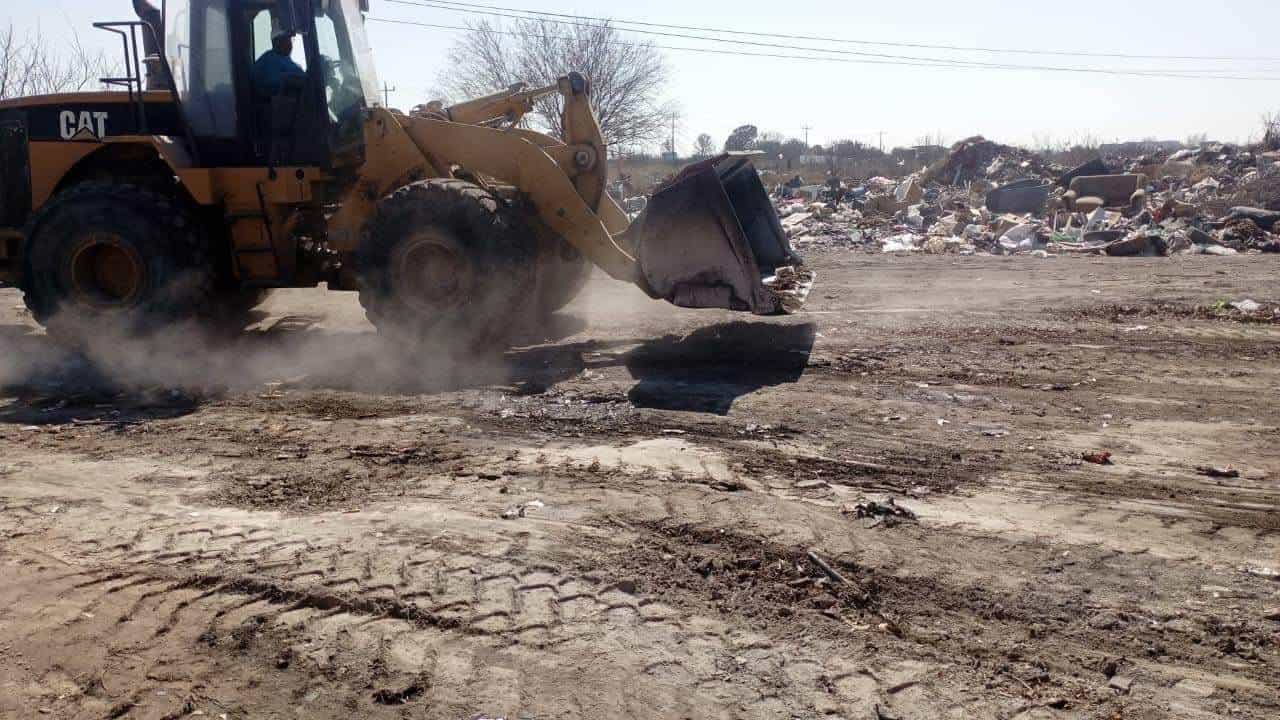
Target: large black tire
[
  {"x": 449, "y": 266},
  {"x": 563, "y": 272},
  {"x": 104, "y": 256}
]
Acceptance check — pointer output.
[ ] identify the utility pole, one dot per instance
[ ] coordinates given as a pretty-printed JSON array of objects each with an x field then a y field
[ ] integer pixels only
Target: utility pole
[
  {"x": 674, "y": 154},
  {"x": 386, "y": 95},
  {"x": 806, "y": 129},
  {"x": 882, "y": 142}
]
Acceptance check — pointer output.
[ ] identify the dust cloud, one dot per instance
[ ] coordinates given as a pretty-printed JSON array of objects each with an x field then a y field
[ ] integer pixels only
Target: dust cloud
[
  {"x": 328, "y": 345},
  {"x": 313, "y": 338}
]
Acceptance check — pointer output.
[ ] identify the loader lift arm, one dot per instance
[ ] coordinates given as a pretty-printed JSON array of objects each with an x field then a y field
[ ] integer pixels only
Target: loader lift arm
[{"x": 564, "y": 180}]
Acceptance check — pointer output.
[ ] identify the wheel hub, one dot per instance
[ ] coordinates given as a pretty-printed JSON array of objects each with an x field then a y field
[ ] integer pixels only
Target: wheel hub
[
  {"x": 431, "y": 273},
  {"x": 106, "y": 272}
]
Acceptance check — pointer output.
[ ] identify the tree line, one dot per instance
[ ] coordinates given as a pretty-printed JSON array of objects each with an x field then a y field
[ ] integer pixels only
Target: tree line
[{"x": 32, "y": 63}]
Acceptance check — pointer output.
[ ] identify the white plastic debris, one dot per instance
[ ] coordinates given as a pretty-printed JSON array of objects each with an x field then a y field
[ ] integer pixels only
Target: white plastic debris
[
  {"x": 914, "y": 218},
  {"x": 1207, "y": 184},
  {"x": 1022, "y": 237},
  {"x": 899, "y": 243}
]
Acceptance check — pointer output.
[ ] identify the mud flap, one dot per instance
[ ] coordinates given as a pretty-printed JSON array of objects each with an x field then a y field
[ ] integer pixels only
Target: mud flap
[{"x": 711, "y": 239}]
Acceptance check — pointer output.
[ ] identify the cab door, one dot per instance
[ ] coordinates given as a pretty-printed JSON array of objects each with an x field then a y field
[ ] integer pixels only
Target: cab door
[
  {"x": 211, "y": 46},
  {"x": 286, "y": 130}
]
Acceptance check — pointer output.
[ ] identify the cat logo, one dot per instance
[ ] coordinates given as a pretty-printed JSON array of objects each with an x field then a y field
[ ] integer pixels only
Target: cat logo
[{"x": 83, "y": 125}]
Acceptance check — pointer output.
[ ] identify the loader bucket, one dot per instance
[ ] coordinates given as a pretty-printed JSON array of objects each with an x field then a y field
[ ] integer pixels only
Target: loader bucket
[{"x": 711, "y": 239}]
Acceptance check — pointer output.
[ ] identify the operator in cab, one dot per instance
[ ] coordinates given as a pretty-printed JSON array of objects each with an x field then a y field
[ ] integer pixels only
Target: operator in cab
[{"x": 275, "y": 64}]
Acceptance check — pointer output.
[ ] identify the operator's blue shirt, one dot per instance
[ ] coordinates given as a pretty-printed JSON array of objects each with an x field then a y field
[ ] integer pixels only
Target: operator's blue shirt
[{"x": 269, "y": 72}]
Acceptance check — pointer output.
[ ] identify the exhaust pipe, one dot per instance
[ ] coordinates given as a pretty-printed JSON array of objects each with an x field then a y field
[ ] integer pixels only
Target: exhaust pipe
[
  {"x": 710, "y": 238},
  {"x": 151, "y": 45}
]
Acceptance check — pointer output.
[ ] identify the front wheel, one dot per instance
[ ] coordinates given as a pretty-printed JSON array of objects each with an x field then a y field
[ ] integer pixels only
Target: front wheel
[
  {"x": 563, "y": 272},
  {"x": 447, "y": 263}
]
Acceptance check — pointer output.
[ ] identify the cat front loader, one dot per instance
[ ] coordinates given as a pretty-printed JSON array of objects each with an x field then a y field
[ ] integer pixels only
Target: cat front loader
[{"x": 191, "y": 191}]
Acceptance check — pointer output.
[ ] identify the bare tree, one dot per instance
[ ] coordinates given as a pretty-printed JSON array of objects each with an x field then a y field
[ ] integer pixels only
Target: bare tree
[
  {"x": 1271, "y": 131},
  {"x": 627, "y": 77},
  {"x": 32, "y": 64},
  {"x": 704, "y": 146}
]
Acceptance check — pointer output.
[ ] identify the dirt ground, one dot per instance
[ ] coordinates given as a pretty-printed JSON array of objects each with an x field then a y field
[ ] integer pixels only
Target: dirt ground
[{"x": 657, "y": 513}]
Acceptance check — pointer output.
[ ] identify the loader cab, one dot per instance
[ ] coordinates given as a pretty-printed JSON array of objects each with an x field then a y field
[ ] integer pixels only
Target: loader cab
[{"x": 313, "y": 120}]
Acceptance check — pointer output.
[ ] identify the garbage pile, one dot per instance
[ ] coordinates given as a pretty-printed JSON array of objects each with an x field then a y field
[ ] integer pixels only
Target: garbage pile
[
  {"x": 987, "y": 198},
  {"x": 978, "y": 158}
]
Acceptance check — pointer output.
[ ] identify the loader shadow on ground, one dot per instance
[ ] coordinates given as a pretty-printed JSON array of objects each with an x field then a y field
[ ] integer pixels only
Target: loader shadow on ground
[{"x": 707, "y": 370}]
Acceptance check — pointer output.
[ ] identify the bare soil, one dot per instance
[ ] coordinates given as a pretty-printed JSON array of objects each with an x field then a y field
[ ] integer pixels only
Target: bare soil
[{"x": 655, "y": 513}]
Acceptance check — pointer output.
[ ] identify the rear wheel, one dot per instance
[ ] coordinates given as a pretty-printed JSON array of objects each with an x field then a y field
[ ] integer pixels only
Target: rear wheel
[
  {"x": 104, "y": 256},
  {"x": 446, "y": 263}
]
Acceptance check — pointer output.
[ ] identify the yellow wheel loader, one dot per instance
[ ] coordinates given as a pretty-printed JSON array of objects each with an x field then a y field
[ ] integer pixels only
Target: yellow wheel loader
[{"x": 194, "y": 187}]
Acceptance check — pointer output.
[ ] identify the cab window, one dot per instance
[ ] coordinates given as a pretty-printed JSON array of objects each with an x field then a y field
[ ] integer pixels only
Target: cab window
[
  {"x": 261, "y": 38},
  {"x": 339, "y": 58},
  {"x": 201, "y": 62}
]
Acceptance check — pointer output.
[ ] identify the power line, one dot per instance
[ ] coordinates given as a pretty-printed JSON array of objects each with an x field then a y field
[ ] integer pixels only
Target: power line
[
  {"x": 1185, "y": 73},
  {"x": 712, "y": 51},
  {"x": 881, "y": 43},
  {"x": 901, "y": 61}
]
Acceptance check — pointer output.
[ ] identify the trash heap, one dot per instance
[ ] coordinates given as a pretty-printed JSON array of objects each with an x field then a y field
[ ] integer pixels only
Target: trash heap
[
  {"x": 987, "y": 198},
  {"x": 978, "y": 158}
]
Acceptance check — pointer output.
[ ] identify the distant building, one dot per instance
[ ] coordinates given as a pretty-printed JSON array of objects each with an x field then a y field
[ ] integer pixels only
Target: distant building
[{"x": 919, "y": 155}]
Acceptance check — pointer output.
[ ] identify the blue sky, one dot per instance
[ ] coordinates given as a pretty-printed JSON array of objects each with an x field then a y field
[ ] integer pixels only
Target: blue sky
[{"x": 837, "y": 100}]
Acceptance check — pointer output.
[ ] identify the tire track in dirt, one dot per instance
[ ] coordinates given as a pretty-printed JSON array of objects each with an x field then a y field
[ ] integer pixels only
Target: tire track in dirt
[
  {"x": 1055, "y": 638},
  {"x": 511, "y": 628}
]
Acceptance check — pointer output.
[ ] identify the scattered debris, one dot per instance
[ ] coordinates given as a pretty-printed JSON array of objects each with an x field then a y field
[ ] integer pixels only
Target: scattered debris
[
  {"x": 1218, "y": 472},
  {"x": 398, "y": 697},
  {"x": 1097, "y": 457},
  {"x": 826, "y": 568},
  {"x": 888, "y": 512},
  {"x": 1267, "y": 573},
  {"x": 1121, "y": 684},
  {"x": 518, "y": 511}
]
